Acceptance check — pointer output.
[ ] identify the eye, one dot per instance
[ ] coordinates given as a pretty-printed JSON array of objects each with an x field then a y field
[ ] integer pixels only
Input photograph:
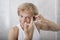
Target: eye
[{"x": 21, "y": 16}]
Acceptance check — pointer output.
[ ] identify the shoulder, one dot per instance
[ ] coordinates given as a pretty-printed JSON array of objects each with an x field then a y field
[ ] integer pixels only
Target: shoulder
[
  {"x": 13, "y": 33},
  {"x": 14, "y": 29}
]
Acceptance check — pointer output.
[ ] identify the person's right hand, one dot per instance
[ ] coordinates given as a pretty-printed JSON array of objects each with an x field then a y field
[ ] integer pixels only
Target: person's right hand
[{"x": 28, "y": 29}]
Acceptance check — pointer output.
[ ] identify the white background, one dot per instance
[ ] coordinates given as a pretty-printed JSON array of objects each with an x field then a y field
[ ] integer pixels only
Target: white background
[{"x": 9, "y": 17}]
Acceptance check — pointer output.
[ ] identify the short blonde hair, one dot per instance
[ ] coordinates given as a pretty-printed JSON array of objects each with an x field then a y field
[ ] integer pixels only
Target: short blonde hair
[{"x": 29, "y": 7}]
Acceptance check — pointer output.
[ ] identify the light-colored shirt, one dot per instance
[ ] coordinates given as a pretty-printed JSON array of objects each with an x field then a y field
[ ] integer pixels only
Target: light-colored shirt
[{"x": 21, "y": 35}]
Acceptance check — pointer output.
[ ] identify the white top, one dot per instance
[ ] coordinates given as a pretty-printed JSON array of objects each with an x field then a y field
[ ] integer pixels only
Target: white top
[{"x": 21, "y": 35}]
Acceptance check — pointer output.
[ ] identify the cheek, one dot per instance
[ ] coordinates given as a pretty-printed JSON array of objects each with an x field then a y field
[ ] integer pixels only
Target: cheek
[{"x": 21, "y": 20}]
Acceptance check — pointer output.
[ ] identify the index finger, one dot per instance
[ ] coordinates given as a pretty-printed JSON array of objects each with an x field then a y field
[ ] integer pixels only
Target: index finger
[{"x": 31, "y": 22}]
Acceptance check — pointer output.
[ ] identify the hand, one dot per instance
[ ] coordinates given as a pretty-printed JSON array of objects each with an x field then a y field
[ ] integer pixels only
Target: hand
[
  {"x": 40, "y": 20},
  {"x": 28, "y": 29},
  {"x": 38, "y": 17}
]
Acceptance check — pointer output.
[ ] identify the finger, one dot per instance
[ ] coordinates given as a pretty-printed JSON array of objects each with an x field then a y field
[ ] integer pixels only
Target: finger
[
  {"x": 31, "y": 22},
  {"x": 36, "y": 16},
  {"x": 39, "y": 17},
  {"x": 25, "y": 27}
]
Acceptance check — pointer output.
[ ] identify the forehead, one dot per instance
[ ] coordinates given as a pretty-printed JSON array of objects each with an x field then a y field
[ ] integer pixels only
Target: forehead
[{"x": 26, "y": 13}]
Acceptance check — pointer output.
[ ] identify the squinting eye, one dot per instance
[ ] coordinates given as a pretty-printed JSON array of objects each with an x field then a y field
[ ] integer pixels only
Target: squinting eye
[{"x": 21, "y": 16}]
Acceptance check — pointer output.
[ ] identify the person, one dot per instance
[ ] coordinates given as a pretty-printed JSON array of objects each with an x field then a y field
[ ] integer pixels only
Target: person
[{"x": 31, "y": 22}]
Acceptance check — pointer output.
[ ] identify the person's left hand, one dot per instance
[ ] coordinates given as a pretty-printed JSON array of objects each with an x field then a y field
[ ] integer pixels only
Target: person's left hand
[
  {"x": 40, "y": 20},
  {"x": 39, "y": 17}
]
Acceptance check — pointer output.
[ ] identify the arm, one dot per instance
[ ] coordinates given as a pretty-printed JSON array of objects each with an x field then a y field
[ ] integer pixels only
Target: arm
[
  {"x": 13, "y": 34},
  {"x": 45, "y": 24}
]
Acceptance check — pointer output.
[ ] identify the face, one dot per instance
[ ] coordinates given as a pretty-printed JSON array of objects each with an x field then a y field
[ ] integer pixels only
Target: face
[{"x": 25, "y": 17}]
